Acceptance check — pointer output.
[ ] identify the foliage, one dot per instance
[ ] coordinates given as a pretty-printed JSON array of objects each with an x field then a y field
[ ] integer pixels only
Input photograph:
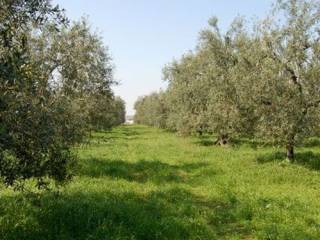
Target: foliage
[
  {"x": 106, "y": 112},
  {"x": 260, "y": 82},
  {"x": 151, "y": 110},
  {"x": 53, "y": 78},
  {"x": 290, "y": 68}
]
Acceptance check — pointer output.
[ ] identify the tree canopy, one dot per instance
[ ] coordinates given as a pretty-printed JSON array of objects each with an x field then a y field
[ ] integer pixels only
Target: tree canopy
[
  {"x": 253, "y": 80},
  {"x": 55, "y": 87}
]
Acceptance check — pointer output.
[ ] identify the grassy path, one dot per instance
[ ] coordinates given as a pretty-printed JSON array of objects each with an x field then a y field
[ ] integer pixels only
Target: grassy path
[{"x": 143, "y": 183}]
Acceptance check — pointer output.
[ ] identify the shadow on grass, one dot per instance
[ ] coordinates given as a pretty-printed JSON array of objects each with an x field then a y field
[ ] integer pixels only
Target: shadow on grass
[
  {"x": 141, "y": 171},
  {"x": 126, "y": 133},
  {"x": 205, "y": 141},
  {"x": 208, "y": 140},
  {"x": 254, "y": 143},
  {"x": 169, "y": 214},
  {"x": 312, "y": 142},
  {"x": 308, "y": 159}
]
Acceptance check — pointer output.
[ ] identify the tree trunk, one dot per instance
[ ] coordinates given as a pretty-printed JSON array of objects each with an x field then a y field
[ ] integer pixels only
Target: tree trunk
[
  {"x": 290, "y": 147},
  {"x": 222, "y": 140},
  {"x": 290, "y": 152}
]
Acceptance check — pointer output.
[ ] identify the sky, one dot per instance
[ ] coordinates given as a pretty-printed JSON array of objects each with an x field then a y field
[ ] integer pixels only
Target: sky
[{"x": 145, "y": 35}]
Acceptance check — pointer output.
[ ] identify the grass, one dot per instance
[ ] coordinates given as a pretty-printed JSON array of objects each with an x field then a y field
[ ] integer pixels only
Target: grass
[{"x": 137, "y": 182}]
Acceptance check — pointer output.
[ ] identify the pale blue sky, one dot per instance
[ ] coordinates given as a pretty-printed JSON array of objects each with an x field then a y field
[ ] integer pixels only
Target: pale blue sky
[{"x": 144, "y": 35}]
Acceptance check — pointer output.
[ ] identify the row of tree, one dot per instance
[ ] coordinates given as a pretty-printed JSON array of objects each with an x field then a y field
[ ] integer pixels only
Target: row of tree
[
  {"x": 254, "y": 80},
  {"x": 55, "y": 87}
]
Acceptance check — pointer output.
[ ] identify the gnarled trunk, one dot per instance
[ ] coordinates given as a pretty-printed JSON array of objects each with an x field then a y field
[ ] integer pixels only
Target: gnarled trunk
[
  {"x": 200, "y": 132},
  {"x": 222, "y": 140},
  {"x": 290, "y": 152},
  {"x": 290, "y": 147}
]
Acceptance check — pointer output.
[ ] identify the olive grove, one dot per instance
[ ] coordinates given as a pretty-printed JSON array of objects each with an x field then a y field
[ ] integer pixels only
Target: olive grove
[{"x": 257, "y": 80}]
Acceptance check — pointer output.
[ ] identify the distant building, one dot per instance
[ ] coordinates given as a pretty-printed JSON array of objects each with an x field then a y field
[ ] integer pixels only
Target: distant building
[{"x": 129, "y": 120}]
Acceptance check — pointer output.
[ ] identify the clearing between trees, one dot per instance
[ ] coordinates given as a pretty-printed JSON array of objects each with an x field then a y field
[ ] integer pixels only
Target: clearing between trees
[{"x": 138, "y": 182}]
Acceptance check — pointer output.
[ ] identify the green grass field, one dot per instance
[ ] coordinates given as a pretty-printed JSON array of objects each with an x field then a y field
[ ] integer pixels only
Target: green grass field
[{"x": 137, "y": 182}]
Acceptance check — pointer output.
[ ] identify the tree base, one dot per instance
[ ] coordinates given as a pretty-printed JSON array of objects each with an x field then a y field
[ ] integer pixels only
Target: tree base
[{"x": 222, "y": 141}]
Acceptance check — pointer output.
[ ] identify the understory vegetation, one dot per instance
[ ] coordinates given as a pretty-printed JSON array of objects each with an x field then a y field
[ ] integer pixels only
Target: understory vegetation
[
  {"x": 255, "y": 80},
  {"x": 139, "y": 182}
]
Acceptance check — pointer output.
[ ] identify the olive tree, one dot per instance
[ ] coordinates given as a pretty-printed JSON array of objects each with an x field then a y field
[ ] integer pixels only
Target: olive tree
[
  {"x": 32, "y": 122},
  {"x": 55, "y": 86},
  {"x": 83, "y": 72},
  {"x": 208, "y": 88},
  {"x": 222, "y": 94},
  {"x": 151, "y": 110},
  {"x": 119, "y": 112},
  {"x": 187, "y": 94},
  {"x": 288, "y": 88}
]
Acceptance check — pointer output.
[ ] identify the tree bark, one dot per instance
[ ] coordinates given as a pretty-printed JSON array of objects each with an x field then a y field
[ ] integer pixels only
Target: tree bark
[
  {"x": 290, "y": 147},
  {"x": 222, "y": 140},
  {"x": 290, "y": 152}
]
